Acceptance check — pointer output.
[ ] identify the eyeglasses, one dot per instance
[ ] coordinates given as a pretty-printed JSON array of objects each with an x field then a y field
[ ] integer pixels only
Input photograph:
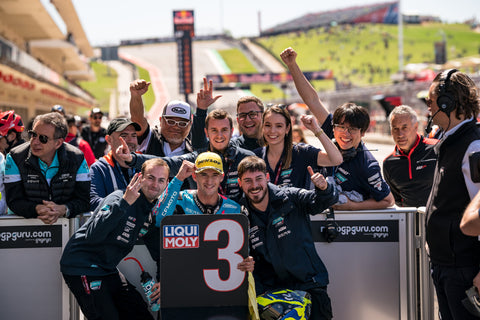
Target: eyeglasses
[
  {"x": 181, "y": 124},
  {"x": 428, "y": 102},
  {"x": 252, "y": 115},
  {"x": 342, "y": 129},
  {"x": 41, "y": 137}
]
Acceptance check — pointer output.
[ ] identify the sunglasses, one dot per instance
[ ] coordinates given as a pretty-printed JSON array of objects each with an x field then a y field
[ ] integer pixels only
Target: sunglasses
[
  {"x": 97, "y": 117},
  {"x": 181, "y": 124},
  {"x": 41, "y": 137}
]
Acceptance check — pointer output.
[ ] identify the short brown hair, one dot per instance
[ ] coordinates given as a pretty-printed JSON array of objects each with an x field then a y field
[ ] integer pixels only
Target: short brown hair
[
  {"x": 248, "y": 99},
  {"x": 153, "y": 163},
  {"x": 252, "y": 164},
  {"x": 218, "y": 114}
]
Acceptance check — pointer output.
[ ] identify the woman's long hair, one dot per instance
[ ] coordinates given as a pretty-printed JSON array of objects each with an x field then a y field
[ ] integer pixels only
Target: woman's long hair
[{"x": 288, "y": 142}]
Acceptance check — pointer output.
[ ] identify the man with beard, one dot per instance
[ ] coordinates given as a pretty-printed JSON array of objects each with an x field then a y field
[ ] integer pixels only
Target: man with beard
[
  {"x": 110, "y": 172},
  {"x": 170, "y": 139},
  {"x": 281, "y": 241},
  {"x": 453, "y": 102},
  {"x": 358, "y": 178}
]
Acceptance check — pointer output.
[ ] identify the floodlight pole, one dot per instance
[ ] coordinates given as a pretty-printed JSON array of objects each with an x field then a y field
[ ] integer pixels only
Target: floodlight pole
[{"x": 400, "y": 37}]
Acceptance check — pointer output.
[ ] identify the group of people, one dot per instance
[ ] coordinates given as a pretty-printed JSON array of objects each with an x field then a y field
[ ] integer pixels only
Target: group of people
[{"x": 193, "y": 164}]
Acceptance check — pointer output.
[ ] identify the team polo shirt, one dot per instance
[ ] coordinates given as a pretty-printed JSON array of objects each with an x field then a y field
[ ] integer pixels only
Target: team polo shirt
[
  {"x": 361, "y": 174},
  {"x": 12, "y": 174},
  {"x": 296, "y": 175}
]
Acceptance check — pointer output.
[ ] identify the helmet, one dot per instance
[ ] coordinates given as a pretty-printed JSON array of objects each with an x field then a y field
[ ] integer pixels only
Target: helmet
[
  {"x": 9, "y": 120},
  {"x": 284, "y": 304},
  {"x": 58, "y": 108}
]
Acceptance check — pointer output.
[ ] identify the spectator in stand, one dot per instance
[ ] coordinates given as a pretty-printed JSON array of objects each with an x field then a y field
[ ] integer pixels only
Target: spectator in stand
[
  {"x": 11, "y": 128},
  {"x": 453, "y": 101},
  {"x": 175, "y": 123},
  {"x": 110, "y": 173},
  {"x": 286, "y": 162},
  {"x": 95, "y": 134},
  {"x": 47, "y": 178},
  {"x": 297, "y": 135},
  {"x": 358, "y": 177},
  {"x": 75, "y": 140},
  {"x": 249, "y": 119},
  {"x": 409, "y": 169}
]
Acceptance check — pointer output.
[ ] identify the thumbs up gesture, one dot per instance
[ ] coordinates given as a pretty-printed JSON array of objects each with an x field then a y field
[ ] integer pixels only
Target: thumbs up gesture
[{"x": 318, "y": 179}]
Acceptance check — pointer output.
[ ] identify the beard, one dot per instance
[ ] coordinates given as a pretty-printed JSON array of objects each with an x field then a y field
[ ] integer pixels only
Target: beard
[{"x": 257, "y": 198}]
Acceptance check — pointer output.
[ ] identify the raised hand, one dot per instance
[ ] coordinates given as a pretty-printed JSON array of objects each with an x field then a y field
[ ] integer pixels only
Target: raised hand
[
  {"x": 205, "y": 96},
  {"x": 310, "y": 122},
  {"x": 139, "y": 87},
  {"x": 133, "y": 189},
  {"x": 186, "y": 170},
  {"x": 318, "y": 179},
  {"x": 288, "y": 56},
  {"x": 123, "y": 152}
]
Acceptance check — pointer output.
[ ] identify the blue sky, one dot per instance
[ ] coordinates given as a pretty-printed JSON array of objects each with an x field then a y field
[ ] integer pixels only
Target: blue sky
[{"x": 109, "y": 21}]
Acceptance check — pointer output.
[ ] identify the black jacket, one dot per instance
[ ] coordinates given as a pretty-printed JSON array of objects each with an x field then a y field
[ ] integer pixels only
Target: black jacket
[
  {"x": 109, "y": 235},
  {"x": 447, "y": 202},
  {"x": 24, "y": 195},
  {"x": 281, "y": 241},
  {"x": 410, "y": 176}
]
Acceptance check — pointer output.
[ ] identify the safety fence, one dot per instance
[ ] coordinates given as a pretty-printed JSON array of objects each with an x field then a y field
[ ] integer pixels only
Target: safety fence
[{"x": 377, "y": 264}]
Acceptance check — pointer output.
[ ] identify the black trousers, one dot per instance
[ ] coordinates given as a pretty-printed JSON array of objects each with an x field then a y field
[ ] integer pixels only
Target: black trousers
[
  {"x": 450, "y": 285},
  {"x": 321, "y": 304},
  {"x": 109, "y": 297}
]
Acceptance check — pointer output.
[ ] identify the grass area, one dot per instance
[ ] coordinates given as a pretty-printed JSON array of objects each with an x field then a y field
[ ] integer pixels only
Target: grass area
[
  {"x": 103, "y": 86},
  {"x": 149, "y": 96},
  {"x": 368, "y": 54},
  {"x": 238, "y": 63}
]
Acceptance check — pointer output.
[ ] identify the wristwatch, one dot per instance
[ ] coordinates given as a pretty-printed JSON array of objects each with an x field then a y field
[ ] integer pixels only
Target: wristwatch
[{"x": 67, "y": 212}]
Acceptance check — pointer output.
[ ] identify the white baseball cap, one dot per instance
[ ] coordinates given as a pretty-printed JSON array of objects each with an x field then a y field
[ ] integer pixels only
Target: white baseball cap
[{"x": 178, "y": 109}]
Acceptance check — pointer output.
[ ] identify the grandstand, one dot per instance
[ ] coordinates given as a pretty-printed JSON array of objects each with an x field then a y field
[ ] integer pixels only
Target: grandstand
[
  {"x": 386, "y": 12},
  {"x": 43, "y": 52}
]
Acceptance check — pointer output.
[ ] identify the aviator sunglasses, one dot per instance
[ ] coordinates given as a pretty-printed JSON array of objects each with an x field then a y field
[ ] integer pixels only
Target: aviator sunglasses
[{"x": 41, "y": 137}]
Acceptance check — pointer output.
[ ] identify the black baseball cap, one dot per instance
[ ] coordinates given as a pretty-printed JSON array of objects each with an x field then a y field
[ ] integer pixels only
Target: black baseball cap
[{"x": 120, "y": 124}]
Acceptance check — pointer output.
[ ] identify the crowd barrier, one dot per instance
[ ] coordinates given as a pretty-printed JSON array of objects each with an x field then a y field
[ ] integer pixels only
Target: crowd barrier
[{"x": 378, "y": 266}]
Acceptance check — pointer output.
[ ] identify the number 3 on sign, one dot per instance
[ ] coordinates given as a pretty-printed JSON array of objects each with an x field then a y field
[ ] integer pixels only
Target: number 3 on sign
[{"x": 229, "y": 253}]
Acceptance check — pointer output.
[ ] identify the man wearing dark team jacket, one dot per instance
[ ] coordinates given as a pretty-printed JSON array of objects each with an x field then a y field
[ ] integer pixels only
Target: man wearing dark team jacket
[
  {"x": 90, "y": 258},
  {"x": 280, "y": 234},
  {"x": 454, "y": 104},
  {"x": 409, "y": 169}
]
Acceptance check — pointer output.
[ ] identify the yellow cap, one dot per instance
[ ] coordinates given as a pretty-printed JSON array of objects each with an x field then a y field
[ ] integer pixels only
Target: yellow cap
[{"x": 208, "y": 160}]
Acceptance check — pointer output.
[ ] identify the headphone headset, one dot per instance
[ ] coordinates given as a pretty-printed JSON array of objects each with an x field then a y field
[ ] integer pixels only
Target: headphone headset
[{"x": 446, "y": 99}]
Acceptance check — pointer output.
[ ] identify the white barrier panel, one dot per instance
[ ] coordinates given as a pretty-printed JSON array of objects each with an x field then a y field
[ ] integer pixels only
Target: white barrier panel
[
  {"x": 32, "y": 285},
  {"x": 371, "y": 264}
]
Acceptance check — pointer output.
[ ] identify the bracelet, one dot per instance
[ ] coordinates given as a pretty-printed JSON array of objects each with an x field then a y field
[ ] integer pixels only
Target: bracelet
[{"x": 319, "y": 133}]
